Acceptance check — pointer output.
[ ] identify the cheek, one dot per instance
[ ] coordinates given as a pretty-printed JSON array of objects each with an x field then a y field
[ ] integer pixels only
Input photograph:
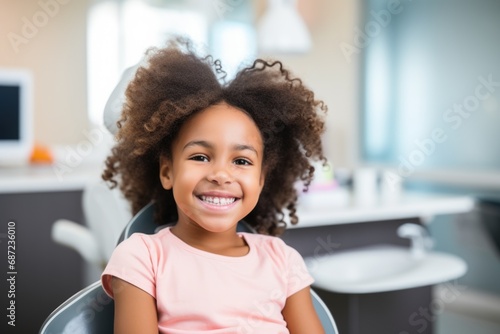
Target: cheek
[
  {"x": 253, "y": 184},
  {"x": 184, "y": 182}
]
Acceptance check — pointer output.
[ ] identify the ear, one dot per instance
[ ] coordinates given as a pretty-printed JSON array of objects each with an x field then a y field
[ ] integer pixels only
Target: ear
[{"x": 166, "y": 173}]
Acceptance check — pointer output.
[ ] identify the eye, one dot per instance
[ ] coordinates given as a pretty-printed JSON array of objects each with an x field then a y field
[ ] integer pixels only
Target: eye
[
  {"x": 199, "y": 157},
  {"x": 243, "y": 162}
]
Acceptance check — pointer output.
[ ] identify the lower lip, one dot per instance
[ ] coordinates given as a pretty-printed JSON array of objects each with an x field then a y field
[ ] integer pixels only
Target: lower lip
[{"x": 216, "y": 206}]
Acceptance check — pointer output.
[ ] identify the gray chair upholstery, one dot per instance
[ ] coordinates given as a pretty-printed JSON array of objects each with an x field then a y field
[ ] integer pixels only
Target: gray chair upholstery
[{"x": 91, "y": 310}]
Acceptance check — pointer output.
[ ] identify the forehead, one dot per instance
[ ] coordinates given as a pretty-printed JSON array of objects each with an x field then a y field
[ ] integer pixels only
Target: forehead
[{"x": 221, "y": 122}]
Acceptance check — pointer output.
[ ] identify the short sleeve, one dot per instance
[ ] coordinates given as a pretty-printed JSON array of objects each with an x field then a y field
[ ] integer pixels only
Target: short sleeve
[
  {"x": 298, "y": 275},
  {"x": 133, "y": 262}
]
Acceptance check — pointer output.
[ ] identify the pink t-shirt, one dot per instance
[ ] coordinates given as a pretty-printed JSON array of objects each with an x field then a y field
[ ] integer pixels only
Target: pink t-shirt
[{"x": 202, "y": 292}]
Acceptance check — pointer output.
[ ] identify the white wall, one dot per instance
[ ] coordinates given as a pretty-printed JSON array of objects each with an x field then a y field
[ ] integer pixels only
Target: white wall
[
  {"x": 55, "y": 51},
  {"x": 56, "y": 54}
]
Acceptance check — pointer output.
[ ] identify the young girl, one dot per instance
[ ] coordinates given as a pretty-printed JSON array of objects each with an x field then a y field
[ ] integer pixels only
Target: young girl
[{"x": 209, "y": 155}]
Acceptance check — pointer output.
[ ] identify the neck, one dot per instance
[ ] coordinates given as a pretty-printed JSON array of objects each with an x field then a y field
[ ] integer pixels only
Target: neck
[{"x": 224, "y": 243}]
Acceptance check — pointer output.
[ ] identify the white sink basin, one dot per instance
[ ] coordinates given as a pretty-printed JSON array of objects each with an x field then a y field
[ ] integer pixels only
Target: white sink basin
[
  {"x": 382, "y": 268},
  {"x": 365, "y": 265}
]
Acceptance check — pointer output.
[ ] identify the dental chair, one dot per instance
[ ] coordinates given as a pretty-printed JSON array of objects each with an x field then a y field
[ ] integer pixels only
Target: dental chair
[
  {"x": 91, "y": 310},
  {"x": 106, "y": 213}
]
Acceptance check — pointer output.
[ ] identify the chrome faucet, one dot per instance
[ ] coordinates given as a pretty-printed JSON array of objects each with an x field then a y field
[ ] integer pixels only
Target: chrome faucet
[{"x": 421, "y": 241}]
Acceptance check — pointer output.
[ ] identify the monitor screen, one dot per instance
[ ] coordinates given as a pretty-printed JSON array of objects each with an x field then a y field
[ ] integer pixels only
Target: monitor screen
[
  {"x": 15, "y": 116},
  {"x": 9, "y": 112}
]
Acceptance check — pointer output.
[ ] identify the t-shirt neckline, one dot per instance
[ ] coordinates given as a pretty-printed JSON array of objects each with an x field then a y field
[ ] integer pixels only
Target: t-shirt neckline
[{"x": 207, "y": 254}]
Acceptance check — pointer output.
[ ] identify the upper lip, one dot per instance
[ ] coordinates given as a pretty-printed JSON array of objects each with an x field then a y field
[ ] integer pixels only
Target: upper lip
[{"x": 217, "y": 194}]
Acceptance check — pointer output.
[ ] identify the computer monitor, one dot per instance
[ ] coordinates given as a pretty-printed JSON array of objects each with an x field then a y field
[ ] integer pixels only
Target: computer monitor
[{"x": 16, "y": 116}]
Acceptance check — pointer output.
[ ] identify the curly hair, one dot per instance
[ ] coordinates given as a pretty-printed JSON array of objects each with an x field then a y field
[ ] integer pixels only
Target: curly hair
[{"x": 176, "y": 83}]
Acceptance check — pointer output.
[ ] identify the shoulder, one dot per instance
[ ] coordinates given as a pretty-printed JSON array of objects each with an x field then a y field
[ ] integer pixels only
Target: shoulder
[
  {"x": 265, "y": 240},
  {"x": 136, "y": 260},
  {"x": 140, "y": 243},
  {"x": 285, "y": 259},
  {"x": 270, "y": 246}
]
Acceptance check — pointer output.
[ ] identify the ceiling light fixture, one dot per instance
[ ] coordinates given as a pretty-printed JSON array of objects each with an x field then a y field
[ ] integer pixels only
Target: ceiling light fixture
[{"x": 282, "y": 30}]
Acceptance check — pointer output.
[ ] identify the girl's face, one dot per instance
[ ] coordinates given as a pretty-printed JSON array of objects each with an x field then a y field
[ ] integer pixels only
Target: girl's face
[{"x": 216, "y": 169}]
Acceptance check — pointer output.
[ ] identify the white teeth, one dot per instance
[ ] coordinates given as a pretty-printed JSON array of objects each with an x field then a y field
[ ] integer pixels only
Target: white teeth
[{"x": 218, "y": 200}]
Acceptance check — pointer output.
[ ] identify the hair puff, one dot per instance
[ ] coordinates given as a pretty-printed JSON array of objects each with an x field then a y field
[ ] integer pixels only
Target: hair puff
[{"x": 174, "y": 84}]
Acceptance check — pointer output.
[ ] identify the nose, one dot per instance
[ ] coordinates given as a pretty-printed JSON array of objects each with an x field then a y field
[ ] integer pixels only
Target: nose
[{"x": 220, "y": 174}]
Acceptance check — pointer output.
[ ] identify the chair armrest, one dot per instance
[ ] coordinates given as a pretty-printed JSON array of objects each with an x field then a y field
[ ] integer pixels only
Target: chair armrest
[{"x": 78, "y": 237}]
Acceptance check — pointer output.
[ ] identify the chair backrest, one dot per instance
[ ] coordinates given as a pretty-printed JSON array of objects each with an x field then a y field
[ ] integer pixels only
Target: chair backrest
[
  {"x": 91, "y": 311},
  {"x": 324, "y": 314},
  {"x": 107, "y": 212}
]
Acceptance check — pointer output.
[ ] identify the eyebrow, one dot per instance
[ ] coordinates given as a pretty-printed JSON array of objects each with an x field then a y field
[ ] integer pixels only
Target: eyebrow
[{"x": 236, "y": 147}]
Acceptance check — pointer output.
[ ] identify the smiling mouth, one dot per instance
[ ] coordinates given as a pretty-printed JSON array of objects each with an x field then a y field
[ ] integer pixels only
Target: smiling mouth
[{"x": 213, "y": 200}]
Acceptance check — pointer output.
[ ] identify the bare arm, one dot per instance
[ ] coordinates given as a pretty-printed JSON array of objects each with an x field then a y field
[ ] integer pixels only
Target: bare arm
[
  {"x": 300, "y": 315},
  {"x": 135, "y": 310}
]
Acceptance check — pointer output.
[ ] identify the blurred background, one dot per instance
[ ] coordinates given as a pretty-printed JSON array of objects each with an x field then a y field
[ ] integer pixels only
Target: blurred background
[{"x": 413, "y": 90}]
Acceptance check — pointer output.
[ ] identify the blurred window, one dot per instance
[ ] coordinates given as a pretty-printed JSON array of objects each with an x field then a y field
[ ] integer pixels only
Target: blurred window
[
  {"x": 120, "y": 32},
  {"x": 431, "y": 84}
]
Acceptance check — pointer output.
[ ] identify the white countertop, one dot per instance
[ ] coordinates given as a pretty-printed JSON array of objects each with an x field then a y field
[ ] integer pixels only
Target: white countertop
[
  {"x": 46, "y": 178},
  {"x": 73, "y": 168},
  {"x": 408, "y": 205}
]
